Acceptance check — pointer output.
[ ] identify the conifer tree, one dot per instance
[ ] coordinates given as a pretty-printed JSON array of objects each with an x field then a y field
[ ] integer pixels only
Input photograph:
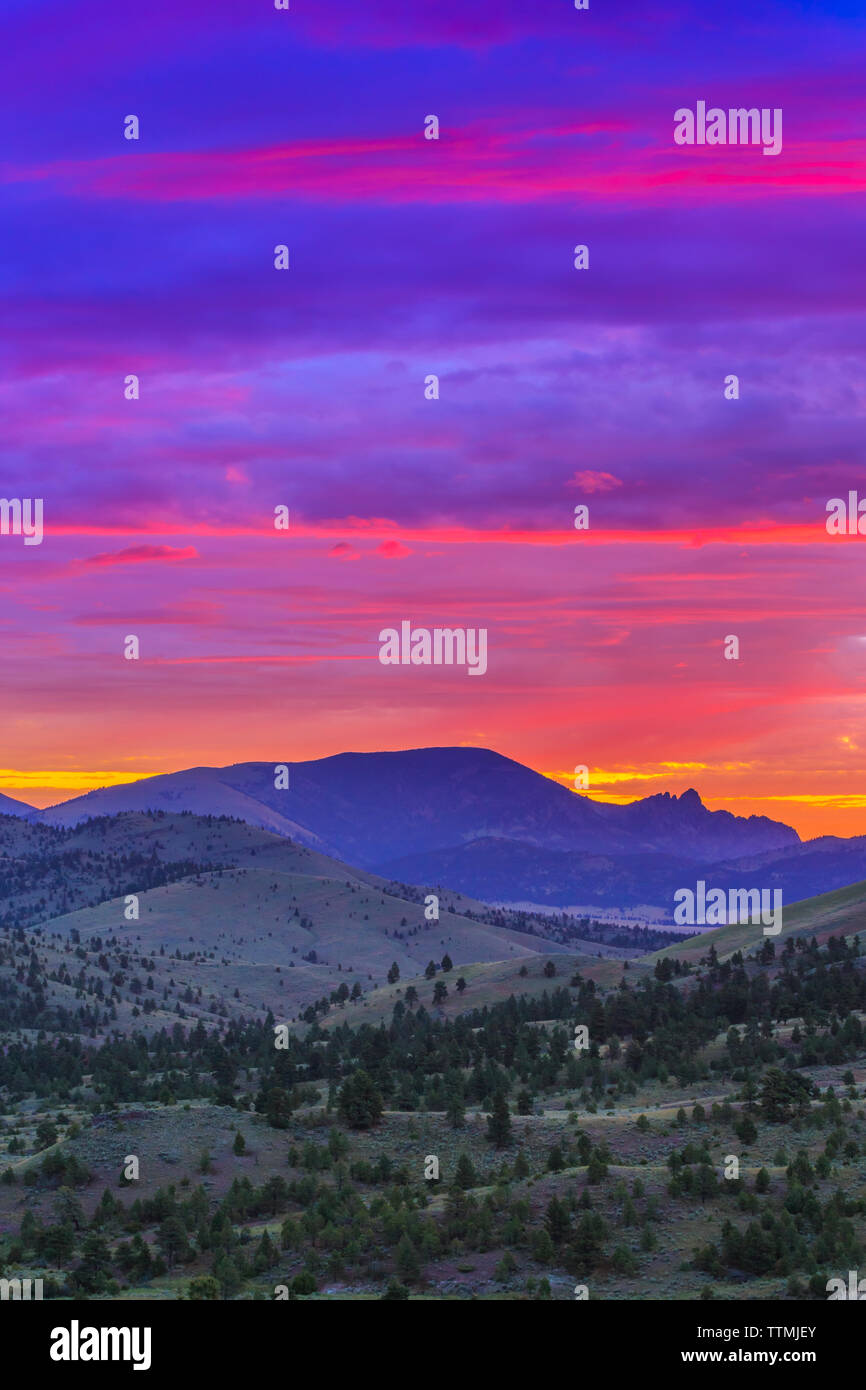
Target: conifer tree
[{"x": 499, "y": 1122}]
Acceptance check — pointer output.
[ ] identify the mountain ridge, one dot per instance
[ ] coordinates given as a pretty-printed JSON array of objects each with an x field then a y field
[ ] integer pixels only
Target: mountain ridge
[{"x": 366, "y": 808}]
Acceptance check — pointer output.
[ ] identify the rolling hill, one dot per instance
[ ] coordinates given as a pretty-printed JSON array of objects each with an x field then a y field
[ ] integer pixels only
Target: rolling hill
[
  {"x": 232, "y": 920},
  {"x": 839, "y": 914}
]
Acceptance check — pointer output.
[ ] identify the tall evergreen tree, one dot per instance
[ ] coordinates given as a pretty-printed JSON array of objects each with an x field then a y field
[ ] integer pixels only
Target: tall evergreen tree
[
  {"x": 464, "y": 1174},
  {"x": 499, "y": 1122}
]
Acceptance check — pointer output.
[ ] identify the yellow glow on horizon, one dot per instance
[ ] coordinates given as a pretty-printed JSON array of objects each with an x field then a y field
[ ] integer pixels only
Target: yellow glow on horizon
[
  {"x": 602, "y": 784},
  {"x": 603, "y": 777},
  {"x": 854, "y": 801},
  {"x": 70, "y": 779}
]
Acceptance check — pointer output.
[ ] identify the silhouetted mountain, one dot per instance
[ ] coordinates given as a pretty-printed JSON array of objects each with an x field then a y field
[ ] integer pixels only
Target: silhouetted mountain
[
  {"x": 370, "y": 808},
  {"x": 201, "y": 790},
  {"x": 10, "y": 807},
  {"x": 690, "y": 830},
  {"x": 802, "y": 871}
]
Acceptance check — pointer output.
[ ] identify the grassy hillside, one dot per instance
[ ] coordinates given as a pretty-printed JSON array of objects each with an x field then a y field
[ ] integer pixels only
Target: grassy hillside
[
  {"x": 841, "y": 913},
  {"x": 261, "y": 1166},
  {"x": 260, "y": 924}
]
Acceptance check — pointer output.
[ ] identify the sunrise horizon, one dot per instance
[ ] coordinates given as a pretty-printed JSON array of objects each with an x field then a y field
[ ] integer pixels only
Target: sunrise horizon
[{"x": 829, "y": 815}]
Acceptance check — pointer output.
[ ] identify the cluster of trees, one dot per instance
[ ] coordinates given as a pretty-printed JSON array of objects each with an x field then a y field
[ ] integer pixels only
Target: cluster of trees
[
  {"x": 564, "y": 929},
  {"x": 51, "y": 880},
  {"x": 422, "y": 1062},
  {"x": 804, "y": 1236},
  {"x": 57, "y": 1169},
  {"x": 338, "y": 996},
  {"x": 327, "y": 1226}
]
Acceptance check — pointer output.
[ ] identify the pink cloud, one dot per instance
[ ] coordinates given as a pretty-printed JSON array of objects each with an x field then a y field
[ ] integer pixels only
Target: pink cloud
[
  {"x": 393, "y": 550},
  {"x": 477, "y": 165},
  {"x": 136, "y": 554},
  {"x": 595, "y": 482},
  {"x": 751, "y": 534}
]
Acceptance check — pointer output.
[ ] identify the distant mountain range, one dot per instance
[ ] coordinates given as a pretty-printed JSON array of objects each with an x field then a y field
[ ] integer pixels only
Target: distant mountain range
[
  {"x": 510, "y": 871},
  {"x": 483, "y": 824}
]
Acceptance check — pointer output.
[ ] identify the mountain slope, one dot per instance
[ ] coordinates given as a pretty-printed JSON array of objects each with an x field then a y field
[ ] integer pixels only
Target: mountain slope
[
  {"x": 202, "y": 791},
  {"x": 10, "y": 807},
  {"x": 232, "y": 920},
  {"x": 499, "y": 870},
  {"x": 839, "y": 914}
]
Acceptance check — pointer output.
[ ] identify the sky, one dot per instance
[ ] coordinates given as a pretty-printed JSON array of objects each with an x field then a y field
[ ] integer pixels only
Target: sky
[{"x": 558, "y": 387}]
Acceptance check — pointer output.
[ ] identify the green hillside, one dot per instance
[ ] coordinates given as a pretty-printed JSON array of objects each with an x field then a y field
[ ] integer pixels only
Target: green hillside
[{"x": 842, "y": 913}]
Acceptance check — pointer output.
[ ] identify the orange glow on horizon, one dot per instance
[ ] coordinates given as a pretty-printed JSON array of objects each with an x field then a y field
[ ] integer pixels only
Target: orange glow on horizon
[{"x": 811, "y": 814}]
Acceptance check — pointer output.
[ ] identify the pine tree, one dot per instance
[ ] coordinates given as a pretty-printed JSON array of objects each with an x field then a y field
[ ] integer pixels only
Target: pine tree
[
  {"x": 454, "y": 1107},
  {"x": 408, "y": 1263},
  {"x": 464, "y": 1174},
  {"x": 360, "y": 1103},
  {"x": 266, "y": 1254},
  {"x": 499, "y": 1122},
  {"x": 226, "y": 1272},
  {"x": 542, "y": 1247},
  {"x": 557, "y": 1221},
  {"x": 555, "y": 1159},
  {"x": 596, "y": 1169},
  {"x": 171, "y": 1239}
]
